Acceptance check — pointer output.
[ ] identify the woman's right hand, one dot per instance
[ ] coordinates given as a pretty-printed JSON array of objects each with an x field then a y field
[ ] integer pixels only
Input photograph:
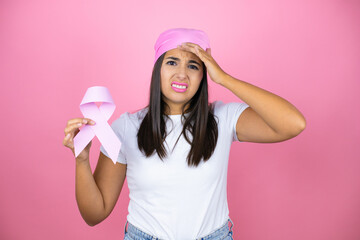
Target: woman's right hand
[{"x": 71, "y": 129}]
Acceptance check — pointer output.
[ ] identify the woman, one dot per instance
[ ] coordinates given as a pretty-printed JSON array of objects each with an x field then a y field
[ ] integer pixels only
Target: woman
[{"x": 175, "y": 151}]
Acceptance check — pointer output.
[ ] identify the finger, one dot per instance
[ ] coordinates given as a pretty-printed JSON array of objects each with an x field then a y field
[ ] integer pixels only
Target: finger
[
  {"x": 194, "y": 45},
  {"x": 197, "y": 50},
  {"x": 72, "y": 128},
  {"x": 78, "y": 124},
  {"x": 74, "y": 120},
  {"x": 67, "y": 141},
  {"x": 208, "y": 50},
  {"x": 88, "y": 121},
  {"x": 83, "y": 120},
  {"x": 205, "y": 56},
  {"x": 189, "y": 48}
]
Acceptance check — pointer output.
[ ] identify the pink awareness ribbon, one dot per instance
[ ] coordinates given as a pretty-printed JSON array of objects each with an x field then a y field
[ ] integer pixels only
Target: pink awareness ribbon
[{"x": 100, "y": 115}]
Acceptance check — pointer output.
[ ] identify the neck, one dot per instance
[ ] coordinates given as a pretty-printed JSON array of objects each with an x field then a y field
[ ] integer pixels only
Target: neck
[{"x": 176, "y": 110}]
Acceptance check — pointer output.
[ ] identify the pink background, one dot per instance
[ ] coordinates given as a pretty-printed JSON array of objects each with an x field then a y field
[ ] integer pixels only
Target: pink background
[{"x": 307, "y": 52}]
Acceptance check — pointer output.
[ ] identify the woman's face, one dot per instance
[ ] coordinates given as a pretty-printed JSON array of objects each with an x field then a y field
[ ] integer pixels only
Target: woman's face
[{"x": 181, "y": 74}]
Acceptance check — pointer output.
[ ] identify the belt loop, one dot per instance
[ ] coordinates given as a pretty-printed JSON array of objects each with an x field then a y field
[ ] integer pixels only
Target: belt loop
[
  {"x": 232, "y": 224},
  {"x": 125, "y": 227}
]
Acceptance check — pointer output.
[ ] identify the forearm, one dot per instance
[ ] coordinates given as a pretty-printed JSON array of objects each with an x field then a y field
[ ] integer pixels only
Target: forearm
[
  {"x": 88, "y": 196},
  {"x": 278, "y": 113}
]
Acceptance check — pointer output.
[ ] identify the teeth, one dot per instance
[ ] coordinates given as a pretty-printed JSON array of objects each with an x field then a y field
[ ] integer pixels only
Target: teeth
[{"x": 178, "y": 86}]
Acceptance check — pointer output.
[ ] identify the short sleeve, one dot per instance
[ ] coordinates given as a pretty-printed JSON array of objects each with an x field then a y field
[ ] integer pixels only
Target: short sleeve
[
  {"x": 119, "y": 126},
  {"x": 230, "y": 113}
]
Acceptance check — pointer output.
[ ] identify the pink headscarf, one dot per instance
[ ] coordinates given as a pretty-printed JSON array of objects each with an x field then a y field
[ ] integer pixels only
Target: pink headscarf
[{"x": 171, "y": 38}]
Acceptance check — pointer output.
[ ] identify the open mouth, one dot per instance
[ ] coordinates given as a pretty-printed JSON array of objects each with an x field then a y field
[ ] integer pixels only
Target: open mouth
[{"x": 179, "y": 87}]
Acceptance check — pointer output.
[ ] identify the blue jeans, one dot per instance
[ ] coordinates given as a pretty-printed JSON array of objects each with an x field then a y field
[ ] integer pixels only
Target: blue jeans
[{"x": 222, "y": 233}]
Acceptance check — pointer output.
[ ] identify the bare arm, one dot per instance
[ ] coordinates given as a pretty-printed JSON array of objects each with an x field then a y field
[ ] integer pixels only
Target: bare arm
[
  {"x": 269, "y": 118},
  {"x": 96, "y": 194}
]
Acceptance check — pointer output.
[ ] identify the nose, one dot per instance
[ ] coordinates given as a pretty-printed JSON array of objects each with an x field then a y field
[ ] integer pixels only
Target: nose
[{"x": 182, "y": 71}]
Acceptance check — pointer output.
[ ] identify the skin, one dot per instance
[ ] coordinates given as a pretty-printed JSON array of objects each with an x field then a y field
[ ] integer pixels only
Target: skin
[
  {"x": 269, "y": 118},
  {"x": 96, "y": 194},
  {"x": 180, "y": 70}
]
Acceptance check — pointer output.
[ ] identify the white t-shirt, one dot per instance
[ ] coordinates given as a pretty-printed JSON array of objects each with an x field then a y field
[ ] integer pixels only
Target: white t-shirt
[{"x": 169, "y": 199}]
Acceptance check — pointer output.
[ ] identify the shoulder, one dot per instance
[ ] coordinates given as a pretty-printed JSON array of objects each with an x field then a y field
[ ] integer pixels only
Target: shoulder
[
  {"x": 134, "y": 118},
  {"x": 221, "y": 108},
  {"x": 138, "y": 115},
  {"x": 228, "y": 112}
]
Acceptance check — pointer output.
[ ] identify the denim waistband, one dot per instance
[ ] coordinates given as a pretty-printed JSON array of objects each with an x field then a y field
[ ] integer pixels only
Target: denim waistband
[{"x": 137, "y": 233}]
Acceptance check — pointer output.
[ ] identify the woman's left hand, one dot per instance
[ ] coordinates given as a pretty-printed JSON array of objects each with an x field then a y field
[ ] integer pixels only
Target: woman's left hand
[{"x": 215, "y": 72}]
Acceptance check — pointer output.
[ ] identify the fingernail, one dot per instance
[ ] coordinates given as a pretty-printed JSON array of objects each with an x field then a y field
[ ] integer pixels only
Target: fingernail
[
  {"x": 79, "y": 124},
  {"x": 92, "y": 122},
  {"x": 68, "y": 135},
  {"x": 84, "y": 121}
]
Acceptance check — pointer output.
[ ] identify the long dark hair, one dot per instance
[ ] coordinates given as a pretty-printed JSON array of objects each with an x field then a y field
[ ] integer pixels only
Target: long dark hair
[{"x": 200, "y": 122}]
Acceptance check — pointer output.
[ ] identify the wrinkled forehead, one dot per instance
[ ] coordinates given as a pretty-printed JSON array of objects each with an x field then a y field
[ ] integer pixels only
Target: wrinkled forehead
[{"x": 181, "y": 54}]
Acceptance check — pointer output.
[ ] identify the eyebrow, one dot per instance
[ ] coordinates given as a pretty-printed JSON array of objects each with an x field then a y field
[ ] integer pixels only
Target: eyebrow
[{"x": 177, "y": 59}]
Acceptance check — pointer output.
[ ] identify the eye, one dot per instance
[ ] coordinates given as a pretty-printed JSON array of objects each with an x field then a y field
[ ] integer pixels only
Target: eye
[
  {"x": 191, "y": 66},
  {"x": 195, "y": 67}
]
